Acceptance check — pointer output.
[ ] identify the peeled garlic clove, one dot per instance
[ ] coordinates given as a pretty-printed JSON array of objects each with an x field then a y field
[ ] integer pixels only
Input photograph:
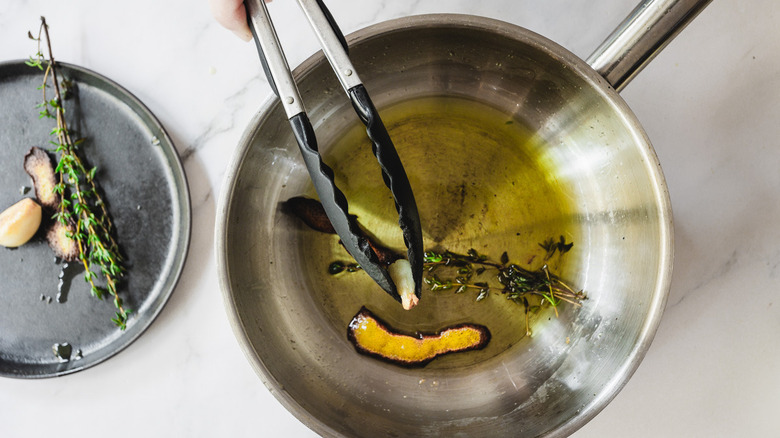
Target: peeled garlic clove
[
  {"x": 401, "y": 273},
  {"x": 19, "y": 222}
]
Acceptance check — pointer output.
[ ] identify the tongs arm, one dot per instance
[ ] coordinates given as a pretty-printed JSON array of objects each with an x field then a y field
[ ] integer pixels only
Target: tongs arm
[
  {"x": 334, "y": 46},
  {"x": 333, "y": 200},
  {"x": 277, "y": 71}
]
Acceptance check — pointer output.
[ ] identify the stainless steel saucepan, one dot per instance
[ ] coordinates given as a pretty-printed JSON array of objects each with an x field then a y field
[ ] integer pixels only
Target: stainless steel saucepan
[{"x": 476, "y": 187}]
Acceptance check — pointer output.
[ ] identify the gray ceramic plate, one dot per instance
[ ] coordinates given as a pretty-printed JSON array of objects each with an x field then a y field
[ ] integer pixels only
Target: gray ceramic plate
[{"x": 145, "y": 186}]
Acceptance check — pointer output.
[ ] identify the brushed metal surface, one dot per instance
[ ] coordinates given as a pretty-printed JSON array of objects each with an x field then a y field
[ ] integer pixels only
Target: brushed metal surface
[
  {"x": 602, "y": 159},
  {"x": 641, "y": 36}
]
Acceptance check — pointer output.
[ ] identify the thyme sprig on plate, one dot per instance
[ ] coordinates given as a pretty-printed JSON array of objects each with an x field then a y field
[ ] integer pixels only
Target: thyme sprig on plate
[
  {"x": 81, "y": 204},
  {"x": 518, "y": 284}
]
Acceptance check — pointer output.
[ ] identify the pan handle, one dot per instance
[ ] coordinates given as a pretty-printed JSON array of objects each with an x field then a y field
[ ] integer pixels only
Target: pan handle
[{"x": 641, "y": 36}]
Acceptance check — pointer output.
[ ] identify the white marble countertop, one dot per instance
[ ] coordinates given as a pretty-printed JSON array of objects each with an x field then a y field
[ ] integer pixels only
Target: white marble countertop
[{"x": 710, "y": 104}]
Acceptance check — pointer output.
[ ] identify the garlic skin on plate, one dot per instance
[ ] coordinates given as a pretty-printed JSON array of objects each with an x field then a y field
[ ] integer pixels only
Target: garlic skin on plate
[{"x": 19, "y": 223}]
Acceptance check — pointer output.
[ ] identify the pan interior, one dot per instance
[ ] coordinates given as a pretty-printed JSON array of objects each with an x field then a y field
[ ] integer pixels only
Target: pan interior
[
  {"x": 480, "y": 183},
  {"x": 508, "y": 140}
]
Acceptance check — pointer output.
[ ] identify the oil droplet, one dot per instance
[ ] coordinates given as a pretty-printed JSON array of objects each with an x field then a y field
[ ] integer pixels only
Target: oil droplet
[
  {"x": 61, "y": 277},
  {"x": 62, "y": 351},
  {"x": 65, "y": 277}
]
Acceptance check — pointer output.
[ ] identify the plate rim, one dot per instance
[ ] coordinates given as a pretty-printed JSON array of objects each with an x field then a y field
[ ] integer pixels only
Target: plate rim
[{"x": 182, "y": 227}]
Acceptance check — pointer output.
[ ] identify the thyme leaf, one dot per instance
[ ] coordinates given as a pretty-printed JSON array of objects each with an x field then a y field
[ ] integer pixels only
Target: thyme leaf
[
  {"x": 338, "y": 267},
  {"x": 550, "y": 245}
]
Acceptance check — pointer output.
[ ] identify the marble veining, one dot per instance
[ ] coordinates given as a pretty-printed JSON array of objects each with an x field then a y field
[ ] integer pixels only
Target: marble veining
[{"x": 223, "y": 123}]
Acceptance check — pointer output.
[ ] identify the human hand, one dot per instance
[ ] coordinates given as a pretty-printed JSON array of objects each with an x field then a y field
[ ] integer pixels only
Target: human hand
[{"x": 232, "y": 15}]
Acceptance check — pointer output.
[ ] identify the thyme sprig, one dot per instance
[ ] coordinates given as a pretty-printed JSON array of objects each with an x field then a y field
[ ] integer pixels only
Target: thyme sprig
[
  {"x": 339, "y": 267},
  {"x": 518, "y": 284},
  {"x": 532, "y": 288},
  {"x": 80, "y": 200}
]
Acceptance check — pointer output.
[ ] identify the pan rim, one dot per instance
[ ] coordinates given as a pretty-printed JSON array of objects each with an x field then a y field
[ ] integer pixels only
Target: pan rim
[{"x": 555, "y": 51}]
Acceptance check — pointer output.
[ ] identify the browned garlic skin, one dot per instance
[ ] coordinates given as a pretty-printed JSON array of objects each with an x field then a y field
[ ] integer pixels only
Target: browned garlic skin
[
  {"x": 311, "y": 212},
  {"x": 60, "y": 242},
  {"x": 19, "y": 223},
  {"x": 38, "y": 165}
]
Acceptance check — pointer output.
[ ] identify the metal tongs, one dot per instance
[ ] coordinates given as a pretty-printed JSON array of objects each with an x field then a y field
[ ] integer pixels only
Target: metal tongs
[{"x": 334, "y": 45}]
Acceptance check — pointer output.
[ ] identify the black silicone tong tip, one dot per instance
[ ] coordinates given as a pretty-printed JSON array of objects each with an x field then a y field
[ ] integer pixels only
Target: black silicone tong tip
[
  {"x": 333, "y": 200},
  {"x": 395, "y": 179},
  {"x": 335, "y": 204}
]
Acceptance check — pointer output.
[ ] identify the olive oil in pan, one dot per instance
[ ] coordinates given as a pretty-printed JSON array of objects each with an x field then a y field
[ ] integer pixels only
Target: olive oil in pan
[{"x": 480, "y": 182}]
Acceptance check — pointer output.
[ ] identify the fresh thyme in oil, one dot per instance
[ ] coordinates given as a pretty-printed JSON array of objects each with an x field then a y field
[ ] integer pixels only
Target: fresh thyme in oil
[
  {"x": 521, "y": 285},
  {"x": 531, "y": 288},
  {"x": 80, "y": 201}
]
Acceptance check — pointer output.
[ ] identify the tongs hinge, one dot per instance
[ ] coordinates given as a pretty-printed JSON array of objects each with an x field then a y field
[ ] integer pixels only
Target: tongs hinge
[
  {"x": 277, "y": 71},
  {"x": 331, "y": 39}
]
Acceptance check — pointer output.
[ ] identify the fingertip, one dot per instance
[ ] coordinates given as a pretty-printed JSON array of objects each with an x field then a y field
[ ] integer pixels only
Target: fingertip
[
  {"x": 244, "y": 34},
  {"x": 232, "y": 16}
]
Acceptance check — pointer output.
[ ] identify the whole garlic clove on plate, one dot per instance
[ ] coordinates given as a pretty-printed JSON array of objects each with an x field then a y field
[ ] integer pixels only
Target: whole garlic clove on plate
[{"x": 19, "y": 222}]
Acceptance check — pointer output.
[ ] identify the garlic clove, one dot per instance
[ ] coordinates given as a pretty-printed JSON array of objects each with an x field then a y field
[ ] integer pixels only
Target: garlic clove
[
  {"x": 19, "y": 222},
  {"x": 401, "y": 273}
]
